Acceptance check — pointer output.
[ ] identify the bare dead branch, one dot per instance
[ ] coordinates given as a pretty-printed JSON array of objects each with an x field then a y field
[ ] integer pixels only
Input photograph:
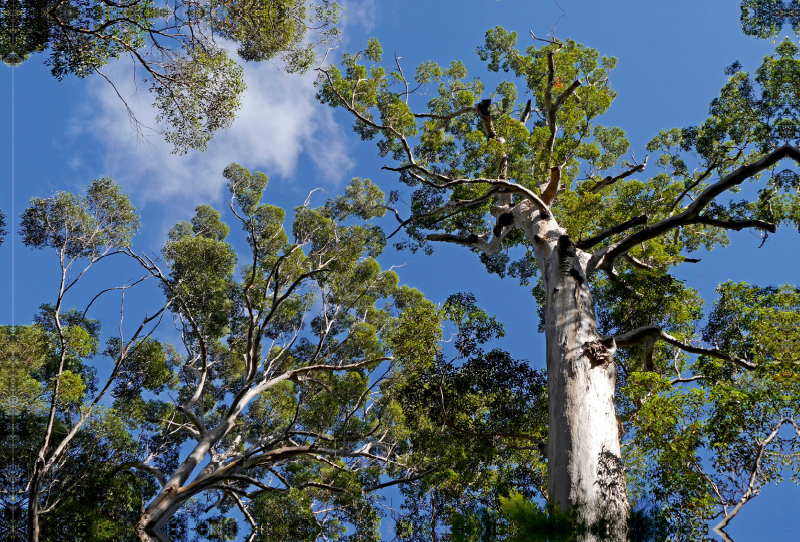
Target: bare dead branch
[
  {"x": 533, "y": 36},
  {"x": 681, "y": 380},
  {"x": 472, "y": 241},
  {"x": 609, "y": 180}
]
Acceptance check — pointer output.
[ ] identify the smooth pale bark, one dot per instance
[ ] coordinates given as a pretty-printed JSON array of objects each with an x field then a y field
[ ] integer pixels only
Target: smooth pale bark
[
  {"x": 583, "y": 449},
  {"x": 158, "y": 513},
  {"x": 33, "y": 502}
]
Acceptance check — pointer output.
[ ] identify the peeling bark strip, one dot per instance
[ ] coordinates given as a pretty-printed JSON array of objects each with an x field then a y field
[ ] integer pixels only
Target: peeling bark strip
[
  {"x": 486, "y": 118},
  {"x": 566, "y": 259}
]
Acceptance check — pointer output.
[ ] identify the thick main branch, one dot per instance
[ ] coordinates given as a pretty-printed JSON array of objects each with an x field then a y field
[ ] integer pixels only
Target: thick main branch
[{"x": 604, "y": 259}]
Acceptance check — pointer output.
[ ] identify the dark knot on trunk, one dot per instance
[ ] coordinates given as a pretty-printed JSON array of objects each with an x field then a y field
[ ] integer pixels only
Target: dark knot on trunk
[
  {"x": 505, "y": 219},
  {"x": 600, "y": 351}
]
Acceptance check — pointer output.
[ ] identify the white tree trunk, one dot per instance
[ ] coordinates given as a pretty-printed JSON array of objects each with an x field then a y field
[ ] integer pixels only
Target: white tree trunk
[{"x": 583, "y": 449}]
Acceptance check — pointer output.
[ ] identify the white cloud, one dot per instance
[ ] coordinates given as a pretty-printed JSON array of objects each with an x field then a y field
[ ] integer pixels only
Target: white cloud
[{"x": 279, "y": 124}]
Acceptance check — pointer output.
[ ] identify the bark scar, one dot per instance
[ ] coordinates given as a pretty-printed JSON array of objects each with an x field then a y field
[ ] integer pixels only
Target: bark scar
[
  {"x": 566, "y": 258},
  {"x": 600, "y": 351}
]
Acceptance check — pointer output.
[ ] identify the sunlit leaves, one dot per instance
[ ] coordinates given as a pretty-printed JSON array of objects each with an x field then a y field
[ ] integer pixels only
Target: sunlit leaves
[
  {"x": 197, "y": 87},
  {"x": 701, "y": 444},
  {"x": 201, "y": 268},
  {"x": 22, "y": 354},
  {"x": 245, "y": 188},
  {"x": 415, "y": 339},
  {"x": 310, "y": 297},
  {"x": 458, "y": 146},
  {"x": 757, "y": 324},
  {"x": 81, "y": 226},
  {"x": 270, "y": 29},
  {"x": 197, "y": 95},
  {"x": 476, "y": 413},
  {"x": 147, "y": 365},
  {"x": 362, "y": 199}
]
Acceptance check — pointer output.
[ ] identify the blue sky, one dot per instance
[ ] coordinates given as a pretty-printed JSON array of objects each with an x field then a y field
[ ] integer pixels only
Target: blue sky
[{"x": 671, "y": 55}]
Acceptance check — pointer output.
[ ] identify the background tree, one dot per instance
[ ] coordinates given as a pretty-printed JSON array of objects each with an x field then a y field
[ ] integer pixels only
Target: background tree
[
  {"x": 66, "y": 424},
  {"x": 314, "y": 381},
  {"x": 280, "y": 407},
  {"x": 307, "y": 386},
  {"x": 88, "y": 493},
  {"x": 484, "y": 180},
  {"x": 291, "y": 389},
  {"x": 180, "y": 46},
  {"x": 479, "y": 417},
  {"x": 732, "y": 420}
]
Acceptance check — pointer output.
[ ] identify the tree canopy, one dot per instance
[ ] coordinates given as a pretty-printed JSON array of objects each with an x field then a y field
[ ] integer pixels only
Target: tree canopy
[
  {"x": 183, "y": 48},
  {"x": 307, "y": 381},
  {"x": 544, "y": 182},
  {"x": 300, "y": 381}
]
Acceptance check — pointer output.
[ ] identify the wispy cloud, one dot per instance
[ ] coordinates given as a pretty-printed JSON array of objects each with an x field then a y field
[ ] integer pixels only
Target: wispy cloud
[
  {"x": 359, "y": 13},
  {"x": 279, "y": 127},
  {"x": 280, "y": 123}
]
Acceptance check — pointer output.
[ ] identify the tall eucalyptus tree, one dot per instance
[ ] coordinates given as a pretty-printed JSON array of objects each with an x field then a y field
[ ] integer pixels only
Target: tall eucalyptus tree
[{"x": 492, "y": 174}]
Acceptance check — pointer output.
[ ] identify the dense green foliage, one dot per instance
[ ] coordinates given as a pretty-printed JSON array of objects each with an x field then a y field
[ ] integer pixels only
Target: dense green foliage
[
  {"x": 743, "y": 125},
  {"x": 471, "y": 411},
  {"x": 764, "y": 18},
  {"x": 97, "y": 503},
  {"x": 306, "y": 350},
  {"x": 306, "y": 379}
]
